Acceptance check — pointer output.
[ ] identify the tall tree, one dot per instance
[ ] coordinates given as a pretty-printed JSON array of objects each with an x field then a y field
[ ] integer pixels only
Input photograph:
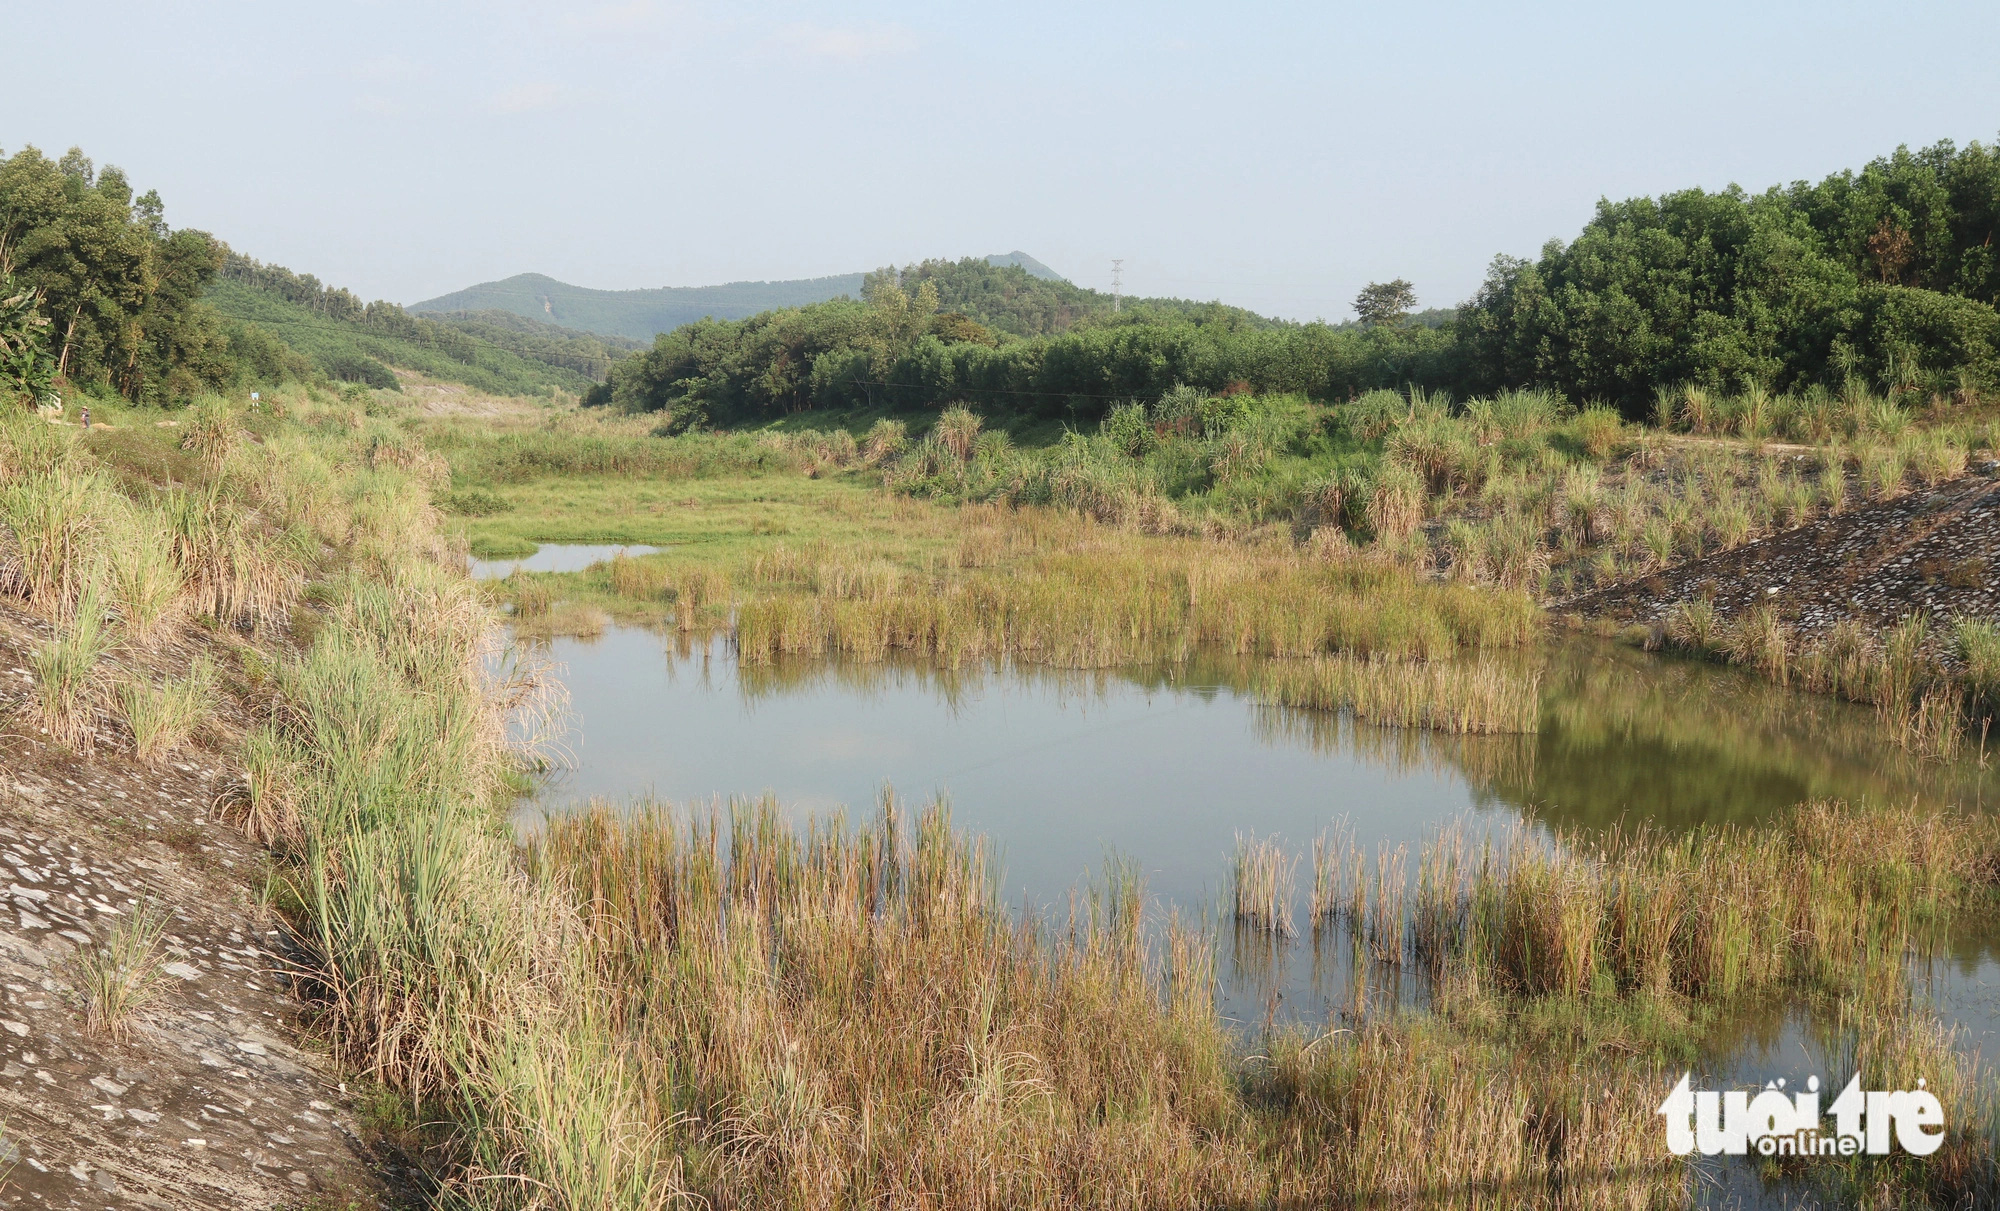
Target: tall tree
[{"x": 1385, "y": 302}]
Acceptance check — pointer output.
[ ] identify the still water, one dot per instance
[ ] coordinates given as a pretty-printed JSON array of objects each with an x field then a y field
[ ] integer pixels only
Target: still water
[
  {"x": 1061, "y": 769},
  {"x": 552, "y": 557}
]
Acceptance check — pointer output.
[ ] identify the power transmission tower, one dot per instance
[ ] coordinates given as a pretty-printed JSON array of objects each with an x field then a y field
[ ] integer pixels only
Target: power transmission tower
[{"x": 1117, "y": 281}]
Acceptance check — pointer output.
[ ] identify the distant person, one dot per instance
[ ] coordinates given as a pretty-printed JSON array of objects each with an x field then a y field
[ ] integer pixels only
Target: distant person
[{"x": 86, "y": 416}]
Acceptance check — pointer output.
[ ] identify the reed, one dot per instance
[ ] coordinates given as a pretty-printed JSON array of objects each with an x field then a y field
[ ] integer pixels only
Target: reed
[
  {"x": 1332, "y": 850},
  {"x": 1976, "y": 644},
  {"x": 1260, "y": 884},
  {"x": 1107, "y": 600},
  {"x": 1716, "y": 915},
  {"x": 845, "y": 1009},
  {"x": 1422, "y": 1116},
  {"x": 1459, "y": 697}
]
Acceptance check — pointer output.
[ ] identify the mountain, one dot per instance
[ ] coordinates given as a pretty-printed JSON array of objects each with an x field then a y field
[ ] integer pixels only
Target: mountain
[
  {"x": 1034, "y": 267},
  {"x": 641, "y": 314}
]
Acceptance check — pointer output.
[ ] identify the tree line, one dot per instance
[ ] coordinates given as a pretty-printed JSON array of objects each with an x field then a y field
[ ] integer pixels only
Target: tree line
[{"x": 1887, "y": 275}]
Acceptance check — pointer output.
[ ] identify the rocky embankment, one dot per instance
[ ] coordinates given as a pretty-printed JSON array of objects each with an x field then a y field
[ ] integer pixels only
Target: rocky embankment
[
  {"x": 1934, "y": 551},
  {"x": 210, "y": 1101}
]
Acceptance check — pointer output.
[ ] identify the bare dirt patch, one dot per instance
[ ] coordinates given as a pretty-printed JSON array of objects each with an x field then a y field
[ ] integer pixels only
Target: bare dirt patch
[{"x": 434, "y": 398}]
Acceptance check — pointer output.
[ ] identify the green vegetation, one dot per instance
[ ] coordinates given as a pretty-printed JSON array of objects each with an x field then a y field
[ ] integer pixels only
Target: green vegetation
[
  {"x": 121, "y": 291},
  {"x": 634, "y": 314},
  {"x": 628, "y": 1012},
  {"x": 1882, "y": 277},
  {"x": 164, "y": 717},
  {"x": 343, "y": 339},
  {"x": 99, "y": 296},
  {"x": 1013, "y": 293},
  {"x": 662, "y": 1007},
  {"x": 1481, "y": 698}
]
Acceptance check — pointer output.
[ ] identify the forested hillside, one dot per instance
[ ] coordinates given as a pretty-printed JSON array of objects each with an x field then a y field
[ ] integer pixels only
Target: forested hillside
[
  {"x": 1887, "y": 276},
  {"x": 636, "y": 314},
  {"x": 349, "y": 340}
]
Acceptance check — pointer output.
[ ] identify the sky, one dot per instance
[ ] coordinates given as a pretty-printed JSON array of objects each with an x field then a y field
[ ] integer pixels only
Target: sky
[{"x": 1274, "y": 156}]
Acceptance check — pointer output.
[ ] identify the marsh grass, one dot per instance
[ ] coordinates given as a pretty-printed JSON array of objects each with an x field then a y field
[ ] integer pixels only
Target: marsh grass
[
  {"x": 833, "y": 1009},
  {"x": 1481, "y": 697},
  {"x": 1028, "y": 588},
  {"x": 654, "y": 1007},
  {"x": 847, "y": 1010},
  {"x": 1716, "y": 914},
  {"x": 119, "y": 977},
  {"x": 1261, "y": 885}
]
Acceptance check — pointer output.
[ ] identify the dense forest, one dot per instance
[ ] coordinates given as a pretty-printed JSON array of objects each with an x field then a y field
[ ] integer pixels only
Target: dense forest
[
  {"x": 118, "y": 291},
  {"x": 1887, "y": 275}
]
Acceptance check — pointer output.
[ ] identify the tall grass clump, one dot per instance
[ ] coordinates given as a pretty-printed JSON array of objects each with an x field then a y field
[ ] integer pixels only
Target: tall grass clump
[
  {"x": 164, "y": 717},
  {"x": 67, "y": 681},
  {"x": 829, "y": 1010},
  {"x": 1977, "y": 646},
  {"x": 1085, "y": 598},
  {"x": 1261, "y": 885},
  {"x": 1715, "y": 914},
  {"x": 49, "y": 525},
  {"x": 146, "y": 582},
  {"x": 118, "y": 977},
  {"x": 236, "y": 572}
]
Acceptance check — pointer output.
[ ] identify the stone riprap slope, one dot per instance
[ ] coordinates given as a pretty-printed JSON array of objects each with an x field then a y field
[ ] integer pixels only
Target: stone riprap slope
[
  {"x": 1931, "y": 551},
  {"x": 209, "y": 1102}
]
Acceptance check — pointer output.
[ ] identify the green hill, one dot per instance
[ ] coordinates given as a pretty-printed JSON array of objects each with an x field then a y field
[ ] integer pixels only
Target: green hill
[
  {"x": 1033, "y": 267},
  {"x": 290, "y": 324},
  {"x": 638, "y": 314},
  {"x": 643, "y": 314}
]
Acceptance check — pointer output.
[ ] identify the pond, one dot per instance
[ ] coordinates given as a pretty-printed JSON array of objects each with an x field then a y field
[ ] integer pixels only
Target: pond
[{"x": 1167, "y": 767}]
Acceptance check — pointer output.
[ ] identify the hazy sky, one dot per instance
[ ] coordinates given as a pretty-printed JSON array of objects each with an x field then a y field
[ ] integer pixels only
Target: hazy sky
[{"x": 1275, "y": 156}]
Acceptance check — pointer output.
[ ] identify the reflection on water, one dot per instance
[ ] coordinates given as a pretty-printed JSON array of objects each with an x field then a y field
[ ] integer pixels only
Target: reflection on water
[
  {"x": 552, "y": 557},
  {"x": 1167, "y": 766}
]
